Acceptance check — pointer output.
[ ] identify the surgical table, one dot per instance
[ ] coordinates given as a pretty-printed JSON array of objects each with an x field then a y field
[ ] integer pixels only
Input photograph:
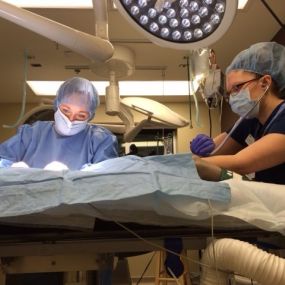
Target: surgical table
[{"x": 47, "y": 216}]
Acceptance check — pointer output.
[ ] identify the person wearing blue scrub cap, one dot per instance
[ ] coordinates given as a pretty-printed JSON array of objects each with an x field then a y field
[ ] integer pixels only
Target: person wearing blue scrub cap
[
  {"x": 255, "y": 83},
  {"x": 68, "y": 142}
]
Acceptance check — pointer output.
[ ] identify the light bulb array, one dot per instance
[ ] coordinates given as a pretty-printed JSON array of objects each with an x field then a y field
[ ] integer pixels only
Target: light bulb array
[{"x": 180, "y": 21}]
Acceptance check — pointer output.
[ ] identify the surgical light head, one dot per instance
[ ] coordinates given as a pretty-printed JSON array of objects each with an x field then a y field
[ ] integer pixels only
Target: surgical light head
[
  {"x": 180, "y": 24},
  {"x": 263, "y": 58},
  {"x": 78, "y": 91}
]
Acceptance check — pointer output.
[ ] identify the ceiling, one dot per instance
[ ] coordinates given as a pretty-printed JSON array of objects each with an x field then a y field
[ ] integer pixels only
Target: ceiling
[{"x": 251, "y": 25}]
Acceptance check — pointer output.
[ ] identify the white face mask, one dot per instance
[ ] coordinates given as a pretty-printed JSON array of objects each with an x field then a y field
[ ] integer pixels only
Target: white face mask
[
  {"x": 242, "y": 104},
  {"x": 65, "y": 127}
]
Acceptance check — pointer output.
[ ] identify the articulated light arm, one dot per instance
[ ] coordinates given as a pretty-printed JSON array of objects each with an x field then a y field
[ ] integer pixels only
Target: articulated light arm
[
  {"x": 92, "y": 47},
  {"x": 101, "y": 19}
]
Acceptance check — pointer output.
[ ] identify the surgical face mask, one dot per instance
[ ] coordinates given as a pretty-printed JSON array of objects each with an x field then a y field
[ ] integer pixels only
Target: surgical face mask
[
  {"x": 65, "y": 127},
  {"x": 242, "y": 104}
]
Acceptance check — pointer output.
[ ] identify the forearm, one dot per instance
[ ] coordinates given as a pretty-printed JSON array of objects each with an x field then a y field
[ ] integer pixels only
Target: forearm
[
  {"x": 207, "y": 171},
  {"x": 229, "y": 162}
]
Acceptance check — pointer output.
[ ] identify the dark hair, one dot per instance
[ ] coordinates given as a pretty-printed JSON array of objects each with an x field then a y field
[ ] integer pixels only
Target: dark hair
[
  {"x": 276, "y": 91},
  {"x": 133, "y": 147},
  {"x": 274, "y": 87}
]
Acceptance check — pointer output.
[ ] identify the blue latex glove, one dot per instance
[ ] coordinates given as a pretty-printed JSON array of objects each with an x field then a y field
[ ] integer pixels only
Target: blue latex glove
[{"x": 202, "y": 145}]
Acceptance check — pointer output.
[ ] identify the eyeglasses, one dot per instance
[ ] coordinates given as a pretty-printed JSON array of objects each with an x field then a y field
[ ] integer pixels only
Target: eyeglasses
[
  {"x": 236, "y": 88},
  {"x": 80, "y": 116}
]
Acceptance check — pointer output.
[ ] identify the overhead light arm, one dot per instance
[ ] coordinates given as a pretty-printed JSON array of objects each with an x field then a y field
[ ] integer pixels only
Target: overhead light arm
[
  {"x": 101, "y": 19},
  {"x": 101, "y": 52},
  {"x": 120, "y": 65},
  {"x": 131, "y": 133},
  {"x": 113, "y": 107},
  {"x": 273, "y": 14},
  {"x": 90, "y": 46}
]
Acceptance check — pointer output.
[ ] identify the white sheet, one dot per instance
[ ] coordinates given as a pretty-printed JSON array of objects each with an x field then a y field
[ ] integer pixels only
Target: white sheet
[{"x": 44, "y": 194}]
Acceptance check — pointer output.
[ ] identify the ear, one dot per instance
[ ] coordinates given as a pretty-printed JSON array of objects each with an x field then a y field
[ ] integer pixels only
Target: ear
[{"x": 266, "y": 81}]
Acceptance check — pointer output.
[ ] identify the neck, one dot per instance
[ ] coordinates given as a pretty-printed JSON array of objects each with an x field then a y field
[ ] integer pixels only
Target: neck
[{"x": 267, "y": 105}]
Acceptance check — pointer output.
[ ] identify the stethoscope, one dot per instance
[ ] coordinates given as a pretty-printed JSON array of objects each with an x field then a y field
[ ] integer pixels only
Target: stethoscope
[
  {"x": 243, "y": 117},
  {"x": 282, "y": 107}
]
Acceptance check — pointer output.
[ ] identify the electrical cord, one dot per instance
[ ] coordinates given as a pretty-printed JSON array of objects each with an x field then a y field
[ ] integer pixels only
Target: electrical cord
[
  {"x": 210, "y": 122},
  {"x": 189, "y": 93},
  {"x": 157, "y": 246}
]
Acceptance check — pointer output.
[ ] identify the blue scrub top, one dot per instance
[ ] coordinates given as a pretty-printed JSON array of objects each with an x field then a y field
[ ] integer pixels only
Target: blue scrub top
[
  {"x": 39, "y": 144},
  {"x": 254, "y": 128}
]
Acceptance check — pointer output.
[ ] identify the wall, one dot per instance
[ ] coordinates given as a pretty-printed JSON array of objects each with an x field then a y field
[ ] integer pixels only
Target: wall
[
  {"x": 8, "y": 116},
  {"x": 186, "y": 134}
]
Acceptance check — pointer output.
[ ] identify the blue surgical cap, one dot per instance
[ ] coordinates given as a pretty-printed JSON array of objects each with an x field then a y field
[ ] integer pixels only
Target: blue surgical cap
[
  {"x": 263, "y": 58},
  {"x": 79, "y": 91}
]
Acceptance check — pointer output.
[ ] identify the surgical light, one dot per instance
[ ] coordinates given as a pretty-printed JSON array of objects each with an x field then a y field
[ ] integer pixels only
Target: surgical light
[
  {"x": 180, "y": 24},
  {"x": 78, "y": 3}
]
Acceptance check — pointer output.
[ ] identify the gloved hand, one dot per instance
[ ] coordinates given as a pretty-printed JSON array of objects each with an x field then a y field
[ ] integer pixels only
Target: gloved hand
[
  {"x": 56, "y": 166},
  {"x": 20, "y": 164},
  {"x": 5, "y": 163},
  {"x": 202, "y": 145}
]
